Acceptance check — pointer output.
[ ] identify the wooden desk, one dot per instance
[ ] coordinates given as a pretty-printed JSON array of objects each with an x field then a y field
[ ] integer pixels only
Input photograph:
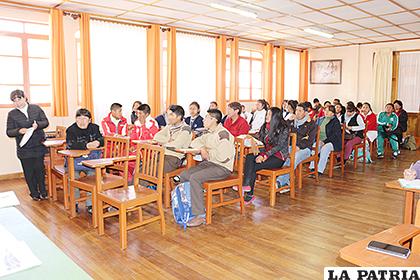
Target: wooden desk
[
  {"x": 357, "y": 253},
  {"x": 409, "y": 199},
  {"x": 55, "y": 264}
]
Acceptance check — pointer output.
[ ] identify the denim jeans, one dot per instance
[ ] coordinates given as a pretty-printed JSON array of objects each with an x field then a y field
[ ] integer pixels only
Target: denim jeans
[{"x": 300, "y": 156}]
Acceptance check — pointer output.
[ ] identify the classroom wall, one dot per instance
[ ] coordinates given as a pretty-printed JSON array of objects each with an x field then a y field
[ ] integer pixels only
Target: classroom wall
[
  {"x": 357, "y": 70},
  {"x": 10, "y": 163}
]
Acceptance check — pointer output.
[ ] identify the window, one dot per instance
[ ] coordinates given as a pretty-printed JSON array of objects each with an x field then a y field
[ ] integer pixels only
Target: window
[
  {"x": 196, "y": 70},
  {"x": 119, "y": 66},
  {"x": 409, "y": 80},
  {"x": 291, "y": 74},
  {"x": 25, "y": 61},
  {"x": 250, "y": 74}
]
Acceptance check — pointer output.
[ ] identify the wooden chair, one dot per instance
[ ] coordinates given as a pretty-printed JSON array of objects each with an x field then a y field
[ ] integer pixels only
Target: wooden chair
[
  {"x": 116, "y": 147},
  {"x": 58, "y": 172},
  {"x": 337, "y": 157},
  {"x": 60, "y": 132},
  {"x": 356, "y": 148},
  {"x": 314, "y": 157},
  {"x": 272, "y": 174},
  {"x": 218, "y": 187},
  {"x": 151, "y": 158}
]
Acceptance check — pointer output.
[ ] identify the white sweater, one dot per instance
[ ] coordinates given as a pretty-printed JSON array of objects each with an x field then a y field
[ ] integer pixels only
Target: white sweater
[{"x": 258, "y": 121}]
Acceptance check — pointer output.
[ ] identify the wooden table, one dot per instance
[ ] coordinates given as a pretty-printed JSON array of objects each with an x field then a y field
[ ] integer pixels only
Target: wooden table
[
  {"x": 53, "y": 145},
  {"x": 409, "y": 199},
  {"x": 55, "y": 264},
  {"x": 357, "y": 253}
]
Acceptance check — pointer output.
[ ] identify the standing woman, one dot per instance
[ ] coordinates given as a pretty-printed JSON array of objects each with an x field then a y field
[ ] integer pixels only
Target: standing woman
[{"x": 31, "y": 154}]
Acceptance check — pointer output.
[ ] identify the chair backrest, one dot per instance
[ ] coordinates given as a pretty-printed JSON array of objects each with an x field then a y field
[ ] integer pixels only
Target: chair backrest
[
  {"x": 318, "y": 135},
  {"x": 116, "y": 146},
  {"x": 292, "y": 154},
  {"x": 60, "y": 132},
  {"x": 343, "y": 132},
  {"x": 238, "y": 164},
  {"x": 149, "y": 165}
]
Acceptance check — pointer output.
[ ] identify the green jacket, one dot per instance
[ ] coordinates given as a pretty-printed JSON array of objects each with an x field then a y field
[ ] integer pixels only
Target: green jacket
[{"x": 384, "y": 120}]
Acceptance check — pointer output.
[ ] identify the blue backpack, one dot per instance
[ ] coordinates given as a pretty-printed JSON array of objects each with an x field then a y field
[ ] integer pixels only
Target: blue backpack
[{"x": 181, "y": 204}]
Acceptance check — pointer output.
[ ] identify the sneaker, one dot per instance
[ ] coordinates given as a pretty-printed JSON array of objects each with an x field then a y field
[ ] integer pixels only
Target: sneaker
[
  {"x": 248, "y": 199},
  {"x": 89, "y": 209},
  {"x": 380, "y": 156},
  {"x": 286, "y": 190},
  {"x": 43, "y": 197},
  {"x": 176, "y": 179},
  {"x": 244, "y": 188},
  {"x": 35, "y": 198},
  {"x": 394, "y": 155},
  {"x": 399, "y": 152}
]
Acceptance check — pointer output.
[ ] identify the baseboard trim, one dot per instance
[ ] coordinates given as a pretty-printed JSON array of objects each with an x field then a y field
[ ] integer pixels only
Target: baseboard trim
[{"x": 10, "y": 176}]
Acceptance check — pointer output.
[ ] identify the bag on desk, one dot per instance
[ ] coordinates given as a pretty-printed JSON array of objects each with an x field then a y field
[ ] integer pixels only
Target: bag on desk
[
  {"x": 181, "y": 204},
  {"x": 78, "y": 166}
]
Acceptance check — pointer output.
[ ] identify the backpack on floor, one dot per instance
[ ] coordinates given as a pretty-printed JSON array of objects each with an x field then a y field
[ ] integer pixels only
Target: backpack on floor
[
  {"x": 181, "y": 204},
  {"x": 410, "y": 143}
]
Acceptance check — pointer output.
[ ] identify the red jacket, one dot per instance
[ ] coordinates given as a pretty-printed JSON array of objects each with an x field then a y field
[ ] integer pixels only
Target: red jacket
[
  {"x": 370, "y": 121},
  {"x": 237, "y": 128},
  {"x": 109, "y": 128}
]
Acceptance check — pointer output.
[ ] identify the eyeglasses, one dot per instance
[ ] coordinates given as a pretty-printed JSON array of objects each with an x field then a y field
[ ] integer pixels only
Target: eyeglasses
[{"x": 17, "y": 98}]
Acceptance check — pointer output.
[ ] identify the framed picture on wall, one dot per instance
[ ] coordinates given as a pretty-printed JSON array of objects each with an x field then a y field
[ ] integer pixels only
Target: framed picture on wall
[{"x": 325, "y": 71}]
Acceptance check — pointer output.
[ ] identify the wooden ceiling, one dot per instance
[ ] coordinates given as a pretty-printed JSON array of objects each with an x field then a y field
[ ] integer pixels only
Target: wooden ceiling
[{"x": 279, "y": 21}]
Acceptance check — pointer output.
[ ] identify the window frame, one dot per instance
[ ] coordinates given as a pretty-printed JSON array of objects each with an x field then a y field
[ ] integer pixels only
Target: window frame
[
  {"x": 24, "y": 37},
  {"x": 250, "y": 59}
]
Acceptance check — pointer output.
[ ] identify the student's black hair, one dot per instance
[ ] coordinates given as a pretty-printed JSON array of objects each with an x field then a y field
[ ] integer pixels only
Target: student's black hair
[
  {"x": 398, "y": 102},
  {"x": 368, "y": 104},
  {"x": 316, "y": 100},
  {"x": 177, "y": 110},
  {"x": 351, "y": 107},
  {"x": 144, "y": 108},
  {"x": 83, "y": 112},
  {"x": 351, "y": 103},
  {"x": 17, "y": 93},
  {"x": 359, "y": 105},
  {"x": 115, "y": 106},
  {"x": 338, "y": 100},
  {"x": 331, "y": 108},
  {"x": 264, "y": 103},
  {"x": 136, "y": 102},
  {"x": 277, "y": 123},
  {"x": 325, "y": 103},
  {"x": 390, "y": 104},
  {"x": 215, "y": 113},
  {"x": 293, "y": 104},
  {"x": 236, "y": 106},
  {"x": 195, "y": 103},
  {"x": 215, "y": 103},
  {"x": 343, "y": 109},
  {"x": 305, "y": 105}
]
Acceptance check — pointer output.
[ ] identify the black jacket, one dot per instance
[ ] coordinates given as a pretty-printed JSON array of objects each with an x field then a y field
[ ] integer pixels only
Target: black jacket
[
  {"x": 402, "y": 121},
  {"x": 333, "y": 131},
  {"x": 16, "y": 120},
  {"x": 306, "y": 134},
  {"x": 198, "y": 122},
  {"x": 77, "y": 138}
]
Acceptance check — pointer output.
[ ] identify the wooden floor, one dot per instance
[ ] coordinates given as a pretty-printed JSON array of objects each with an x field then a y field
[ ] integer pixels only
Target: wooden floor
[{"x": 294, "y": 240}]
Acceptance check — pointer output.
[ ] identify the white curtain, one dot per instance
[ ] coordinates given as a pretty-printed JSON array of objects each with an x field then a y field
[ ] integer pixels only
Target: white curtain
[
  {"x": 119, "y": 66},
  {"x": 409, "y": 80},
  {"x": 382, "y": 78},
  {"x": 291, "y": 75},
  {"x": 196, "y": 70}
]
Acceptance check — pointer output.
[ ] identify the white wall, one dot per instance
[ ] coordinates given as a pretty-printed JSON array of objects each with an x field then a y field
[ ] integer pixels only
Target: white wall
[
  {"x": 9, "y": 163},
  {"x": 357, "y": 70}
]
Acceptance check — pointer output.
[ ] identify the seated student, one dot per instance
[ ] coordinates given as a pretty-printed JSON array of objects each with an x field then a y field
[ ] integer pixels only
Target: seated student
[
  {"x": 329, "y": 137},
  {"x": 162, "y": 119},
  {"x": 213, "y": 105},
  {"x": 311, "y": 111},
  {"x": 258, "y": 117},
  {"x": 84, "y": 135},
  {"x": 336, "y": 101},
  {"x": 195, "y": 121},
  {"x": 218, "y": 154},
  {"x": 275, "y": 136},
  {"x": 340, "y": 112},
  {"x": 284, "y": 108},
  {"x": 176, "y": 135},
  {"x": 370, "y": 120},
  {"x": 234, "y": 122},
  {"x": 114, "y": 123},
  {"x": 359, "y": 106},
  {"x": 319, "y": 110},
  {"x": 291, "y": 109},
  {"x": 245, "y": 114},
  {"x": 402, "y": 120},
  {"x": 305, "y": 129},
  {"x": 145, "y": 128},
  {"x": 327, "y": 103},
  {"x": 387, "y": 125},
  {"x": 355, "y": 127},
  {"x": 135, "y": 106}
]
